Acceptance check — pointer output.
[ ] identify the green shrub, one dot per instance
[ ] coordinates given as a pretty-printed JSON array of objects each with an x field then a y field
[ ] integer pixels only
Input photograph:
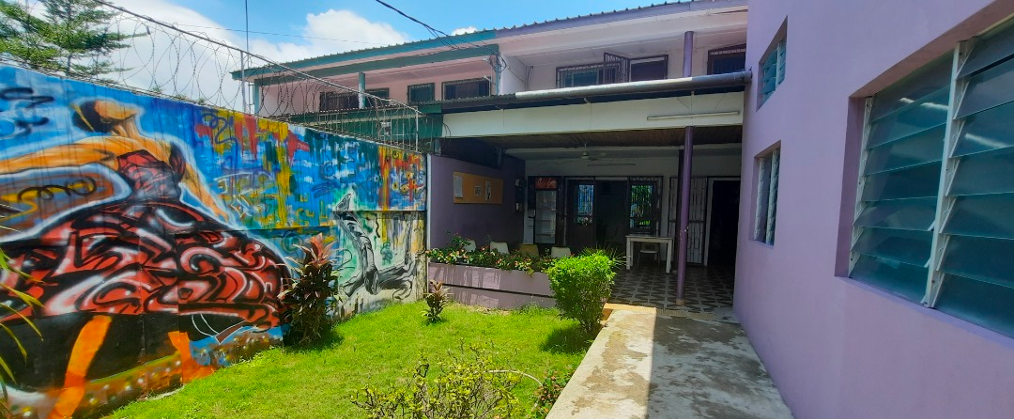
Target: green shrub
[
  {"x": 462, "y": 389},
  {"x": 548, "y": 392},
  {"x": 580, "y": 285},
  {"x": 10, "y": 295},
  {"x": 436, "y": 301},
  {"x": 455, "y": 253},
  {"x": 312, "y": 296}
]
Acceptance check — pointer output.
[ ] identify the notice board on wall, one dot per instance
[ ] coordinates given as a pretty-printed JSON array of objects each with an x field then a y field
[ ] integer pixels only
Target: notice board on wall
[{"x": 475, "y": 189}]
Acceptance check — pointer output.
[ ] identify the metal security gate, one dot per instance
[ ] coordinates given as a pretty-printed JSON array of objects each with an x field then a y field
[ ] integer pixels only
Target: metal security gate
[{"x": 698, "y": 216}]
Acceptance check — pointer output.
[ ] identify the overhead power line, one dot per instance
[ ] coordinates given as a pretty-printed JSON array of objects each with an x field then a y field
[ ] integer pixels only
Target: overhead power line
[
  {"x": 277, "y": 34},
  {"x": 441, "y": 36}
]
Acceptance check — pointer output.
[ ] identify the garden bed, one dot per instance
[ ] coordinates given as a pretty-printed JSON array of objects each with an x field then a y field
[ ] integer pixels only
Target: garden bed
[
  {"x": 376, "y": 349},
  {"x": 491, "y": 287}
]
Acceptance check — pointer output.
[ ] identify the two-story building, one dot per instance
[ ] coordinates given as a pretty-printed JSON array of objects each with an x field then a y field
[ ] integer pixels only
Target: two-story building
[
  {"x": 583, "y": 118},
  {"x": 851, "y": 159}
]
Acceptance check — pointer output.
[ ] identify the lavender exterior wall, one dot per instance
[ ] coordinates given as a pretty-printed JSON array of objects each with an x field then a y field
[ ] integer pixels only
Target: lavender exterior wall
[
  {"x": 834, "y": 347},
  {"x": 474, "y": 221}
]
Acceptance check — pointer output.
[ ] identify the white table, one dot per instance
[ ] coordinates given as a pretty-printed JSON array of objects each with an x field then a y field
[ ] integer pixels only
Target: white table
[{"x": 650, "y": 239}]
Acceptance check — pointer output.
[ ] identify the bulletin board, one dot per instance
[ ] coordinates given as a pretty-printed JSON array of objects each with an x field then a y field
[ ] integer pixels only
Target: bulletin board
[{"x": 475, "y": 189}]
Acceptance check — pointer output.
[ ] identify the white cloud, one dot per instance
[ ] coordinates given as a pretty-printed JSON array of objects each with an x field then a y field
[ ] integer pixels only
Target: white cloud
[
  {"x": 175, "y": 63},
  {"x": 180, "y": 65},
  {"x": 465, "y": 30},
  {"x": 331, "y": 32}
]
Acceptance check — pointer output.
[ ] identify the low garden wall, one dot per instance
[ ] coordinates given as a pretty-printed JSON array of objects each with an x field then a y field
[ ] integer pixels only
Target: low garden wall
[{"x": 491, "y": 287}]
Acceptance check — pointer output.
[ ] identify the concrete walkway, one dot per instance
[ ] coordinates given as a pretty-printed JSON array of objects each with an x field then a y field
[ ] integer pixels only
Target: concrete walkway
[{"x": 647, "y": 365}]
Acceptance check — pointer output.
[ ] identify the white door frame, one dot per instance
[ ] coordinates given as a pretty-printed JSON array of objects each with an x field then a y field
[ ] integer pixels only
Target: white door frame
[{"x": 711, "y": 199}]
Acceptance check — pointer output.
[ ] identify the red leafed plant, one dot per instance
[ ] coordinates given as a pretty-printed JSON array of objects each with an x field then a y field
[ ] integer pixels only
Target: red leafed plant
[{"x": 312, "y": 295}]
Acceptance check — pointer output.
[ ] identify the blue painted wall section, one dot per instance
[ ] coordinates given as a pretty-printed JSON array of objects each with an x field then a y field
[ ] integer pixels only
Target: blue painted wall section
[{"x": 154, "y": 233}]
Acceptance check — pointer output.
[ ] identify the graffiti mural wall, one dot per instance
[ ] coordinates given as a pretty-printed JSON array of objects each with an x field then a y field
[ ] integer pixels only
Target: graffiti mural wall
[{"x": 155, "y": 232}]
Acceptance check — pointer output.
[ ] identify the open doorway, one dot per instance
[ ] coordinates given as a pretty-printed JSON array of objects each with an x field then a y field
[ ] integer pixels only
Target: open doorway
[
  {"x": 610, "y": 227},
  {"x": 723, "y": 224}
]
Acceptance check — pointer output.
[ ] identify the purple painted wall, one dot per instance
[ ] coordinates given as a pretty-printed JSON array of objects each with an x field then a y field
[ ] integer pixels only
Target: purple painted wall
[
  {"x": 834, "y": 347},
  {"x": 474, "y": 221}
]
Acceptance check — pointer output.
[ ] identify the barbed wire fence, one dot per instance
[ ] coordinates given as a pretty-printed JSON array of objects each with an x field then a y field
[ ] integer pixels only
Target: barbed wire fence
[{"x": 161, "y": 59}]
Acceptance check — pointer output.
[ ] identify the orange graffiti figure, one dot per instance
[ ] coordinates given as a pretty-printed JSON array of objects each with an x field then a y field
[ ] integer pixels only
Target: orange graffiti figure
[{"x": 147, "y": 272}]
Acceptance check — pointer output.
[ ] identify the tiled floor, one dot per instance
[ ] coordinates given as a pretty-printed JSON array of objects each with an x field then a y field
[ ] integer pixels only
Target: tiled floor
[{"x": 707, "y": 289}]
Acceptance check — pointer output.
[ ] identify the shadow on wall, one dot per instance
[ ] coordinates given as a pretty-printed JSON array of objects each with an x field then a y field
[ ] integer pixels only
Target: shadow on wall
[{"x": 154, "y": 233}]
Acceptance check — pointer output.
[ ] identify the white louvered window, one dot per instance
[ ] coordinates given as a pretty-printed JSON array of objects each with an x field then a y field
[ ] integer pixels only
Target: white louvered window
[
  {"x": 772, "y": 71},
  {"x": 934, "y": 217},
  {"x": 767, "y": 196}
]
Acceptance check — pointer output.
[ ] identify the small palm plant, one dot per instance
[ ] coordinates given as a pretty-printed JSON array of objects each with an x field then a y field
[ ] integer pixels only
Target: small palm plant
[
  {"x": 5, "y": 409},
  {"x": 436, "y": 301},
  {"x": 312, "y": 297}
]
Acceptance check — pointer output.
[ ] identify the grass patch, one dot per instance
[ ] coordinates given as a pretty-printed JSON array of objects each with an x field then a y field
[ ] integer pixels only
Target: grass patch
[{"x": 376, "y": 349}]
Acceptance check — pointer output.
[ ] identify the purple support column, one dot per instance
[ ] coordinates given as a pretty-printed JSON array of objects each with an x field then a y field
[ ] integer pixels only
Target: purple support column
[{"x": 688, "y": 153}]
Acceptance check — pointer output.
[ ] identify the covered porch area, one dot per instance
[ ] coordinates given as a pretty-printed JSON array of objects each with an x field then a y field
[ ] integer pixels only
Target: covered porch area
[
  {"x": 707, "y": 290},
  {"x": 587, "y": 168}
]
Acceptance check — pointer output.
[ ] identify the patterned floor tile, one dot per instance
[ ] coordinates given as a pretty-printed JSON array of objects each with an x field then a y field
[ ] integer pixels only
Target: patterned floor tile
[{"x": 706, "y": 289}]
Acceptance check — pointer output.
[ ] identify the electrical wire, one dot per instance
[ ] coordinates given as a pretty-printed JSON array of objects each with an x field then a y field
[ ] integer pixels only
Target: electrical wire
[
  {"x": 277, "y": 34},
  {"x": 442, "y": 36}
]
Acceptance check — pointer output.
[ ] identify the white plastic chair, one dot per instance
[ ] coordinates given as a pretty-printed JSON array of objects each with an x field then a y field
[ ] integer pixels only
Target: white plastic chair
[
  {"x": 560, "y": 252},
  {"x": 649, "y": 248},
  {"x": 500, "y": 247},
  {"x": 470, "y": 245}
]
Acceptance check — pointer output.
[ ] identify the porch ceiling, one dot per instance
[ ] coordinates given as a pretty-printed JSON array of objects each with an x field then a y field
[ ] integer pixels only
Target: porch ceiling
[{"x": 649, "y": 138}]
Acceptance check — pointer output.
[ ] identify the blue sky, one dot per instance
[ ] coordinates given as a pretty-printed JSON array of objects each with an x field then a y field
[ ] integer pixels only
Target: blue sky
[{"x": 318, "y": 27}]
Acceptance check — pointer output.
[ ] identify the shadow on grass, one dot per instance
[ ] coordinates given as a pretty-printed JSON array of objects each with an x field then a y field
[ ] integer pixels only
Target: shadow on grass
[
  {"x": 568, "y": 340},
  {"x": 434, "y": 322},
  {"x": 332, "y": 339}
]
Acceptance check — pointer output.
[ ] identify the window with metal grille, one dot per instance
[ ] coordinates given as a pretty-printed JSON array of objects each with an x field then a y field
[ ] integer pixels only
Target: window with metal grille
[
  {"x": 767, "y": 196},
  {"x": 461, "y": 89},
  {"x": 378, "y": 97},
  {"x": 936, "y": 191},
  {"x": 645, "y": 205},
  {"x": 421, "y": 93},
  {"x": 772, "y": 71},
  {"x": 337, "y": 101},
  {"x": 649, "y": 68},
  {"x": 587, "y": 75},
  {"x": 727, "y": 60}
]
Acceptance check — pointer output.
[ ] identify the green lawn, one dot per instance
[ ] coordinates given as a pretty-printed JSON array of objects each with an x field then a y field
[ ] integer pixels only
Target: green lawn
[{"x": 377, "y": 349}]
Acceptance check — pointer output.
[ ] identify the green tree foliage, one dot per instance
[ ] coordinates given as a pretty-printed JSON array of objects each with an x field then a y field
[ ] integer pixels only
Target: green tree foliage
[
  {"x": 580, "y": 286},
  {"x": 74, "y": 37}
]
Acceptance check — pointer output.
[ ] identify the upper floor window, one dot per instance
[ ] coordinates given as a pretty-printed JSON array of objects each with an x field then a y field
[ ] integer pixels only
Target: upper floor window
[
  {"x": 382, "y": 93},
  {"x": 772, "y": 70},
  {"x": 337, "y": 101},
  {"x": 587, "y": 75},
  {"x": 421, "y": 93},
  {"x": 613, "y": 69},
  {"x": 461, "y": 89},
  {"x": 935, "y": 196},
  {"x": 334, "y": 101},
  {"x": 649, "y": 68},
  {"x": 727, "y": 60}
]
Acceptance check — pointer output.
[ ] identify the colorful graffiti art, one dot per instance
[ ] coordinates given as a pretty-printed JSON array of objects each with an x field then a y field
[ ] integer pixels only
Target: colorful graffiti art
[{"x": 155, "y": 233}]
